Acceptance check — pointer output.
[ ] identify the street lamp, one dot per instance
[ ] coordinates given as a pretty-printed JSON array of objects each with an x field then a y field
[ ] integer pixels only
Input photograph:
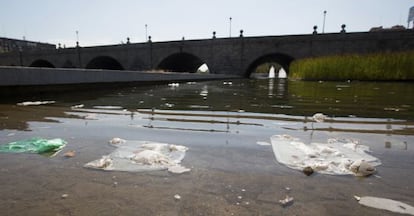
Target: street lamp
[
  {"x": 77, "y": 38},
  {"x": 230, "y": 27},
  {"x": 146, "y": 31},
  {"x": 324, "y": 18}
]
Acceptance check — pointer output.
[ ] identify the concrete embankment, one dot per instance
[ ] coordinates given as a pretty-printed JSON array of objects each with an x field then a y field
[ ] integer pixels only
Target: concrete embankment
[{"x": 23, "y": 79}]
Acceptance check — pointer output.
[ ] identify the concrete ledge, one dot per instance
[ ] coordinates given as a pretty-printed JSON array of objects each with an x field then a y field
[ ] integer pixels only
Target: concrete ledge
[
  {"x": 26, "y": 76},
  {"x": 26, "y": 82}
]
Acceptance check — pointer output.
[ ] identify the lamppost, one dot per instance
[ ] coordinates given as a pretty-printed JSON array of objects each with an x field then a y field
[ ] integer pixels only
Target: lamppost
[
  {"x": 77, "y": 38},
  {"x": 324, "y": 18},
  {"x": 230, "y": 27},
  {"x": 146, "y": 32}
]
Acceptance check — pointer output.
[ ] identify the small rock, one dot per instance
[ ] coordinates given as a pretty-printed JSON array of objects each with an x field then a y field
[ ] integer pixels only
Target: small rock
[
  {"x": 308, "y": 171},
  {"x": 69, "y": 154},
  {"x": 64, "y": 196},
  {"x": 177, "y": 197}
]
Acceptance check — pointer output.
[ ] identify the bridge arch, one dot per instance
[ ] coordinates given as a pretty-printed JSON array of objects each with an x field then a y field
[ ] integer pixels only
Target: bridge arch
[
  {"x": 181, "y": 62},
  {"x": 104, "y": 62},
  {"x": 281, "y": 59},
  {"x": 42, "y": 63}
]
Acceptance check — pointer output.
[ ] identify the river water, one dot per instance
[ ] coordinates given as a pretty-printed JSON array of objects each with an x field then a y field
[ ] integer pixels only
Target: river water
[{"x": 222, "y": 123}]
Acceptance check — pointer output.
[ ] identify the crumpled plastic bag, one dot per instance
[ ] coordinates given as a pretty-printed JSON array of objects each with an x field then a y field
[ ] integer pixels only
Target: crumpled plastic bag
[
  {"x": 336, "y": 157},
  {"x": 34, "y": 145},
  {"x": 139, "y": 156}
]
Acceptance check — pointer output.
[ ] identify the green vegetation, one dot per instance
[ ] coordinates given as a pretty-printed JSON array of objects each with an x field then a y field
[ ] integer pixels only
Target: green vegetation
[{"x": 397, "y": 66}]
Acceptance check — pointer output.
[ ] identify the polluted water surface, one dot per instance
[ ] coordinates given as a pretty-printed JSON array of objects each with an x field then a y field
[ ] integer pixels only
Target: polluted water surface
[{"x": 226, "y": 130}]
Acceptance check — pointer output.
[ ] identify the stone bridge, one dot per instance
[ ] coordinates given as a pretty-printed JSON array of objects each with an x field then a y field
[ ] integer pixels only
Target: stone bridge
[{"x": 234, "y": 56}]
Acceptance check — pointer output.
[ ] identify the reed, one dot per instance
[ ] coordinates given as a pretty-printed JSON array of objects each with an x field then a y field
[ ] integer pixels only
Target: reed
[{"x": 393, "y": 66}]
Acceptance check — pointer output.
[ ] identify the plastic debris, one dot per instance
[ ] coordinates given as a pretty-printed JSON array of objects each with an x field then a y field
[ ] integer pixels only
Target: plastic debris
[
  {"x": 337, "y": 157},
  {"x": 34, "y": 145},
  {"x": 262, "y": 143},
  {"x": 178, "y": 169},
  {"x": 35, "y": 103},
  {"x": 116, "y": 140},
  {"x": 139, "y": 156},
  {"x": 78, "y": 106},
  {"x": 385, "y": 204},
  {"x": 287, "y": 201},
  {"x": 174, "y": 84},
  {"x": 319, "y": 117},
  {"x": 177, "y": 197}
]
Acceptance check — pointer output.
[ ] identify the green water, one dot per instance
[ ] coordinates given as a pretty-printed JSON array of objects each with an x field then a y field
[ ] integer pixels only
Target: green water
[{"x": 221, "y": 122}]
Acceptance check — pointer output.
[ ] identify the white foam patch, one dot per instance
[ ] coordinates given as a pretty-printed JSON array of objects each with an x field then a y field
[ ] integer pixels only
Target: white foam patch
[
  {"x": 35, "y": 103},
  {"x": 139, "y": 156},
  {"x": 336, "y": 157}
]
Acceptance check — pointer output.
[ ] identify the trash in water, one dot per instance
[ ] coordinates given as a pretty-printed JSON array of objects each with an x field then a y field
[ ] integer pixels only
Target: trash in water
[
  {"x": 177, "y": 197},
  {"x": 34, "y": 145},
  {"x": 319, "y": 117},
  {"x": 77, "y": 106},
  {"x": 174, "y": 84},
  {"x": 337, "y": 157},
  {"x": 108, "y": 107},
  {"x": 116, "y": 140},
  {"x": 138, "y": 156},
  {"x": 178, "y": 169},
  {"x": 262, "y": 143},
  {"x": 287, "y": 201},
  {"x": 35, "y": 103},
  {"x": 385, "y": 204}
]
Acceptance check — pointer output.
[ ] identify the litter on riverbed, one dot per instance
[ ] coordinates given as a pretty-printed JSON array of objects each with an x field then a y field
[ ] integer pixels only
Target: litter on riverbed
[
  {"x": 287, "y": 201},
  {"x": 139, "y": 156},
  {"x": 385, "y": 204},
  {"x": 35, "y": 103},
  {"x": 336, "y": 157},
  {"x": 34, "y": 145}
]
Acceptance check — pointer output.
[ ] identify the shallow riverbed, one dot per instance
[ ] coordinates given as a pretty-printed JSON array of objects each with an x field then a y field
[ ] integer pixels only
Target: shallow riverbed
[{"x": 224, "y": 124}]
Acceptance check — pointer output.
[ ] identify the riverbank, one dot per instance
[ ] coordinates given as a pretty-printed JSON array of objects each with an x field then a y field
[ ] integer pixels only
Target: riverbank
[{"x": 398, "y": 66}]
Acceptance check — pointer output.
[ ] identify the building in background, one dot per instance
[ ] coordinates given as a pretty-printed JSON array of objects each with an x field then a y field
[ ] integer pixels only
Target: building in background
[{"x": 15, "y": 45}]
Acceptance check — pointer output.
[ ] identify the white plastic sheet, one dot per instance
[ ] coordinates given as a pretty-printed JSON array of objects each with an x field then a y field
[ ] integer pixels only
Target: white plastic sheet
[
  {"x": 139, "y": 156},
  {"x": 386, "y": 204},
  {"x": 336, "y": 157}
]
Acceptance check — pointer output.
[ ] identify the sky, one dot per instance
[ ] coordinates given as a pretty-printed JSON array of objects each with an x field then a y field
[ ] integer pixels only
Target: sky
[{"x": 101, "y": 22}]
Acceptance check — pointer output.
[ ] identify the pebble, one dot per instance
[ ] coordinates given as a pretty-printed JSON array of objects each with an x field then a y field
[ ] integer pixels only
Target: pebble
[
  {"x": 64, "y": 196},
  {"x": 308, "y": 171},
  {"x": 69, "y": 154},
  {"x": 177, "y": 197}
]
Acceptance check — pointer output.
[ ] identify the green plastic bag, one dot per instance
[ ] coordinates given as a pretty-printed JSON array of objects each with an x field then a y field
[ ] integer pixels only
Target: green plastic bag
[{"x": 34, "y": 145}]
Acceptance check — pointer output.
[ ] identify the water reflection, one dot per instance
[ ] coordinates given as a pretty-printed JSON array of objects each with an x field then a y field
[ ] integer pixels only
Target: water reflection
[{"x": 346, "y": 103}]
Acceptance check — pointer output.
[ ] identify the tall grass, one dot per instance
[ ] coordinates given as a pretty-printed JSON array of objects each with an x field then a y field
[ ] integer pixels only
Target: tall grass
[{"x": 396, "y": 66}]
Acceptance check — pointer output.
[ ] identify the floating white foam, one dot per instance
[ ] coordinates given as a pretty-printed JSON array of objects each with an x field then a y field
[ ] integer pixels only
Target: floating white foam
[
  {"x": 138, "y": 156},
  {"x": 336, "y": 157},
  {"x": 35, "y": 103}
]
